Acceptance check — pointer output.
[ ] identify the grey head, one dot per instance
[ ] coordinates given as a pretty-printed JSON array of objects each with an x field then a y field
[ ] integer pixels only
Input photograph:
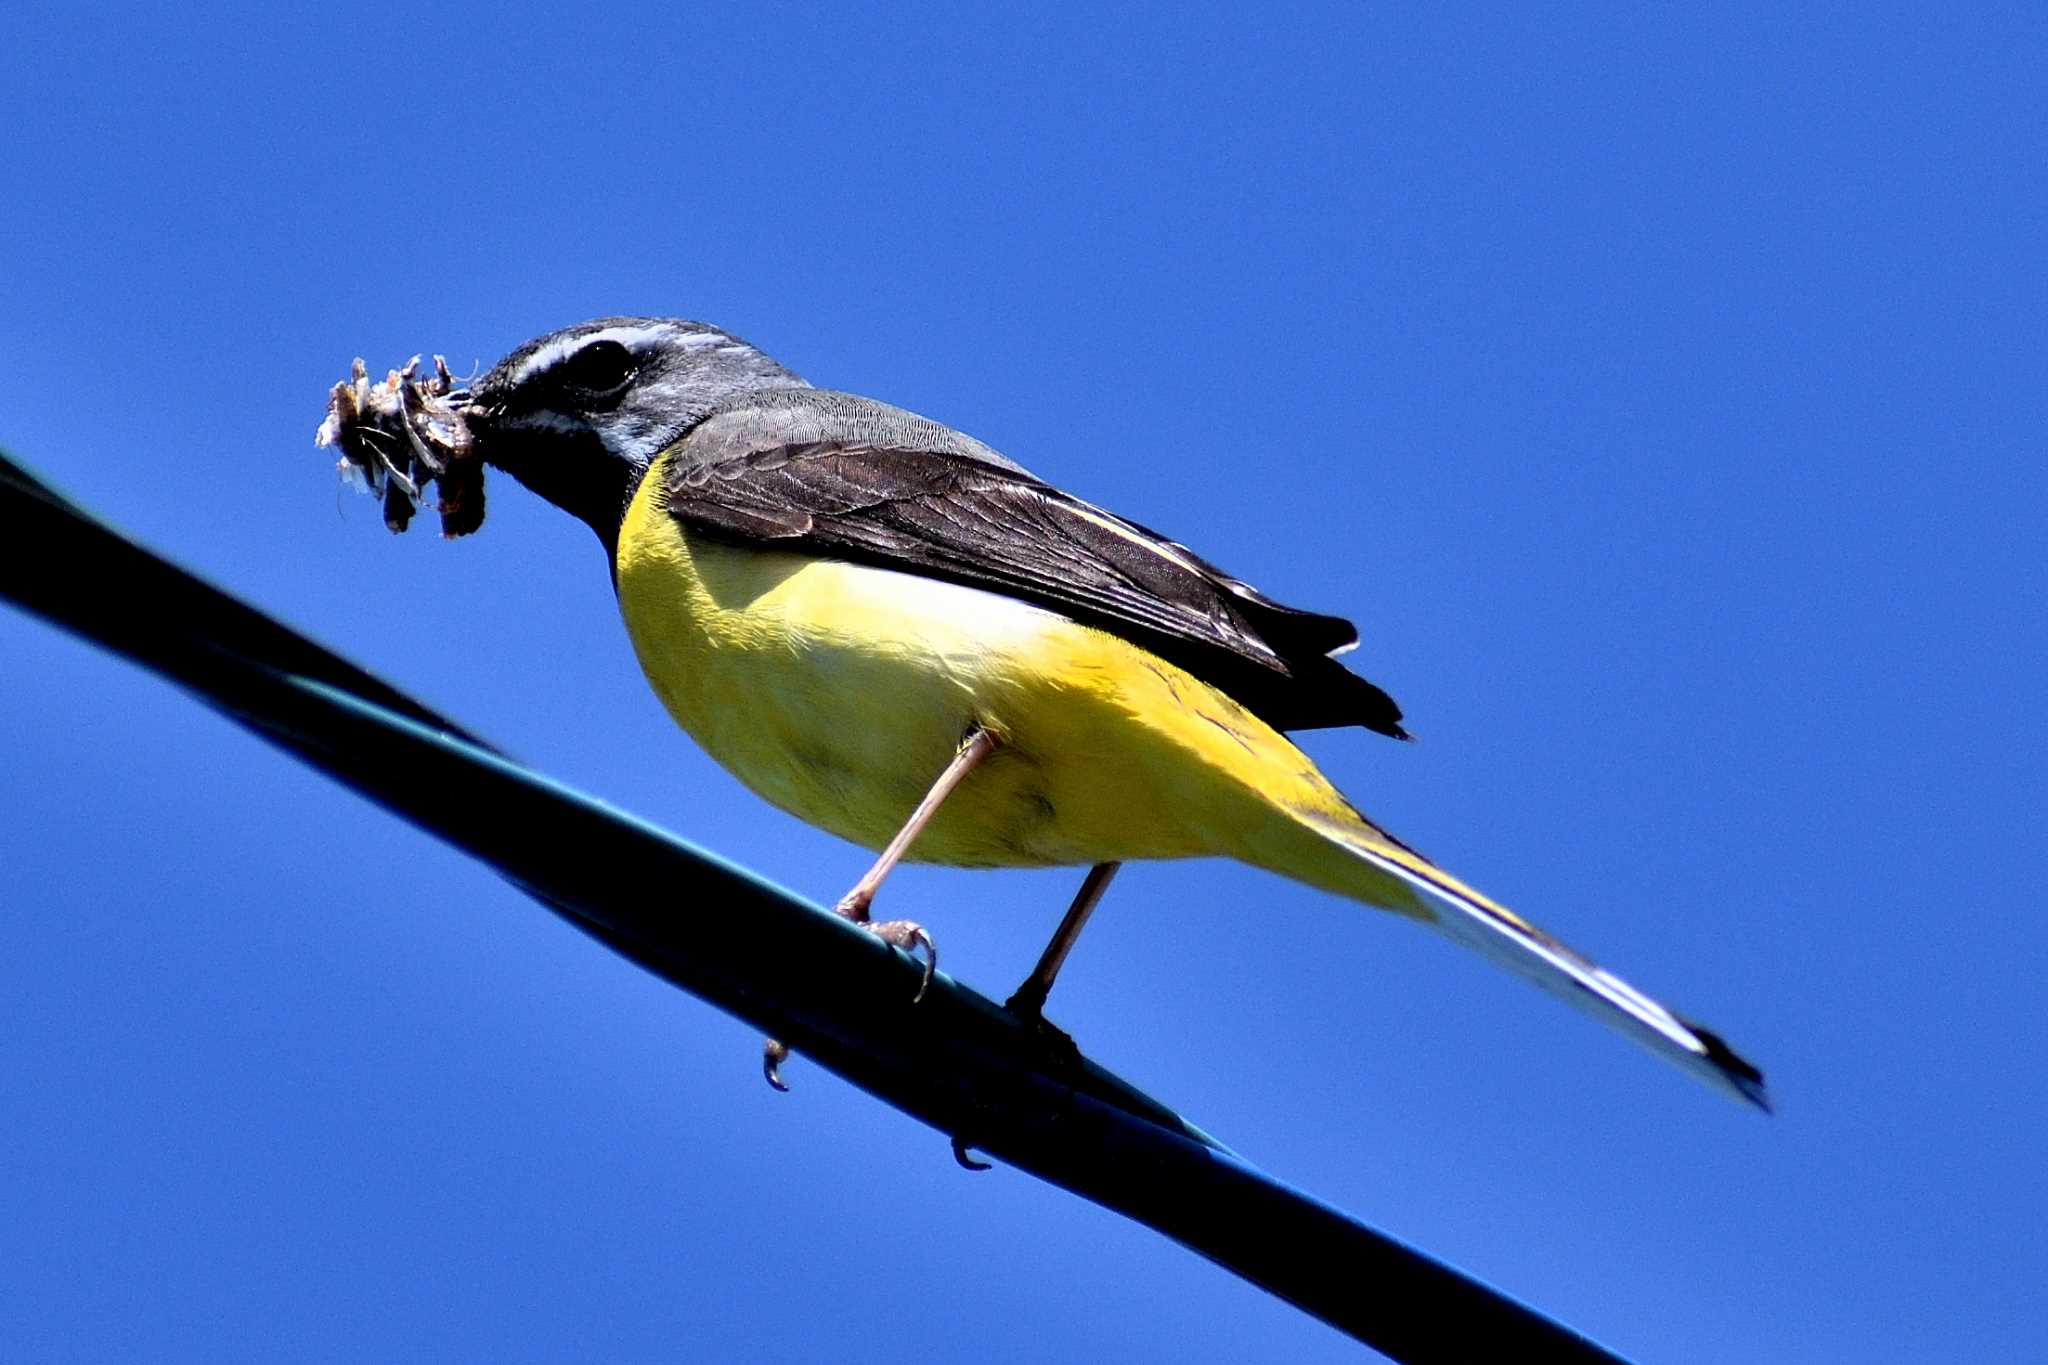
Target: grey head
[{"x": 578, "y": 414}]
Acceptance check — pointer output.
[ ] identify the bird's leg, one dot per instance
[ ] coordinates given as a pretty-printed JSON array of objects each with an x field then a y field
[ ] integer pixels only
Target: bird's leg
[
  {"x": 899, "y": 933},
  {"x": 978, "y": 744},
  {"x": 1029, "y": 1000}
]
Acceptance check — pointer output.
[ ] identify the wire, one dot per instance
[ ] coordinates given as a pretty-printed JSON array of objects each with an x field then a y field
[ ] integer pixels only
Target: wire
[{"x": 789, "y": 968}]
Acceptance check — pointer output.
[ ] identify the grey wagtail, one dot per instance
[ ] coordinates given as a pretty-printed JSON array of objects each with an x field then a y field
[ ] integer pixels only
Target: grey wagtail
[{"x": 896, "y": 634}]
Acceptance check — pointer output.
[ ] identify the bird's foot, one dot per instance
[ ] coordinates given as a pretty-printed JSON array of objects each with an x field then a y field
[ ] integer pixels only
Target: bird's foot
[
  {"x": 1028, "y": 1005},
  {"x": 909, "y": 936},
  {"x": 897, "y": 933}
]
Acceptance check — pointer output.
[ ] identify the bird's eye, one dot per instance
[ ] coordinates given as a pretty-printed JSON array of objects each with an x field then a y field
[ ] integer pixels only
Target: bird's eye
[{"x": 600, "y": 370}]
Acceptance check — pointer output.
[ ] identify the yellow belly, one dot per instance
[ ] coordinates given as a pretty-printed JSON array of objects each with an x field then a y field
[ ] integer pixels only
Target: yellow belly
[{"x": 839, "y": 692}]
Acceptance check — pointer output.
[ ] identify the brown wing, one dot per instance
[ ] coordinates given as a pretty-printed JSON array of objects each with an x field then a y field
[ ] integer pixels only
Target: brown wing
[{"x": 956, "y": 518}]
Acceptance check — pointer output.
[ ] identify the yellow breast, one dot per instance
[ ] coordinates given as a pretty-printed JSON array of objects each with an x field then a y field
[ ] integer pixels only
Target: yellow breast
[{"x": 840, "y": 691}]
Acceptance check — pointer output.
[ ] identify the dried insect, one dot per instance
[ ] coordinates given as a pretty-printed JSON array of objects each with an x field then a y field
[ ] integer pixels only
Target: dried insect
[{"x": 403, "y": 434}]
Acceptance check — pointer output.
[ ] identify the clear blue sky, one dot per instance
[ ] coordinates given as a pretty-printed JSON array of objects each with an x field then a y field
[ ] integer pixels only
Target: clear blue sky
[{"x": 1661, "y": 392}]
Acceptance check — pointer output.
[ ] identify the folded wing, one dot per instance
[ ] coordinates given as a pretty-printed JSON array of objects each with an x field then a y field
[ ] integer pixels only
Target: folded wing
[{"x": 953, "y": 517}]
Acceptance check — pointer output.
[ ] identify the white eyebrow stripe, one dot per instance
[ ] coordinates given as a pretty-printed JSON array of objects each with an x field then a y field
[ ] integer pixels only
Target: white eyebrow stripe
[
  {"x": 545, "y": 358},
  {"x": 632, "y": 338}
]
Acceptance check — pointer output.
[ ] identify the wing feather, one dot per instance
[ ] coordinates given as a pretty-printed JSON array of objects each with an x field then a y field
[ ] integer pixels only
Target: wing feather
[{"x": 954, "y": 517}]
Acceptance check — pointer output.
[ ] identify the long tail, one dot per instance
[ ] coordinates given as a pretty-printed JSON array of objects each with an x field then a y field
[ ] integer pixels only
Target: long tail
[{"x": 1356, "y": 860}]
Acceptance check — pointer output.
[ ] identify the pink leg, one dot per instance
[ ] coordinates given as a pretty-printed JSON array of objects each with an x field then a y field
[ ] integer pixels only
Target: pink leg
[
  {"x": 897, "y": 933},
  {"x": 1029, "y": 1000}
]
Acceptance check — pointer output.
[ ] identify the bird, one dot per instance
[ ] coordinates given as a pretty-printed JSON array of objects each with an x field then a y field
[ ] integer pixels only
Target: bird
[{"x": 898, "y": 634}]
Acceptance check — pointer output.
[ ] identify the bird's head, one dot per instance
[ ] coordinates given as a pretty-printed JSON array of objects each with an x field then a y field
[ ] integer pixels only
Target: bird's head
[{"x": 577, "y": 415}]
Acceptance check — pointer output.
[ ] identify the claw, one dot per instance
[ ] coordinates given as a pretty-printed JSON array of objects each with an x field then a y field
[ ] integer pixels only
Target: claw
[
  {"x": 773, "y": 1054},
  {"x": 960, "y": 1155},
  {"x": 909, "y": 936}
]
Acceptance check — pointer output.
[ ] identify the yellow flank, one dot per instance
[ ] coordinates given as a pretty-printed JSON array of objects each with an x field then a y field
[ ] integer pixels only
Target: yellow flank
[{"x": 839, "y": 692}]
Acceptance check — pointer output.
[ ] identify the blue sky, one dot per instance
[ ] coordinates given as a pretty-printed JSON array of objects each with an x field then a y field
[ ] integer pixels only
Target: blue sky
[{"x": 1662, "y": 393}]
